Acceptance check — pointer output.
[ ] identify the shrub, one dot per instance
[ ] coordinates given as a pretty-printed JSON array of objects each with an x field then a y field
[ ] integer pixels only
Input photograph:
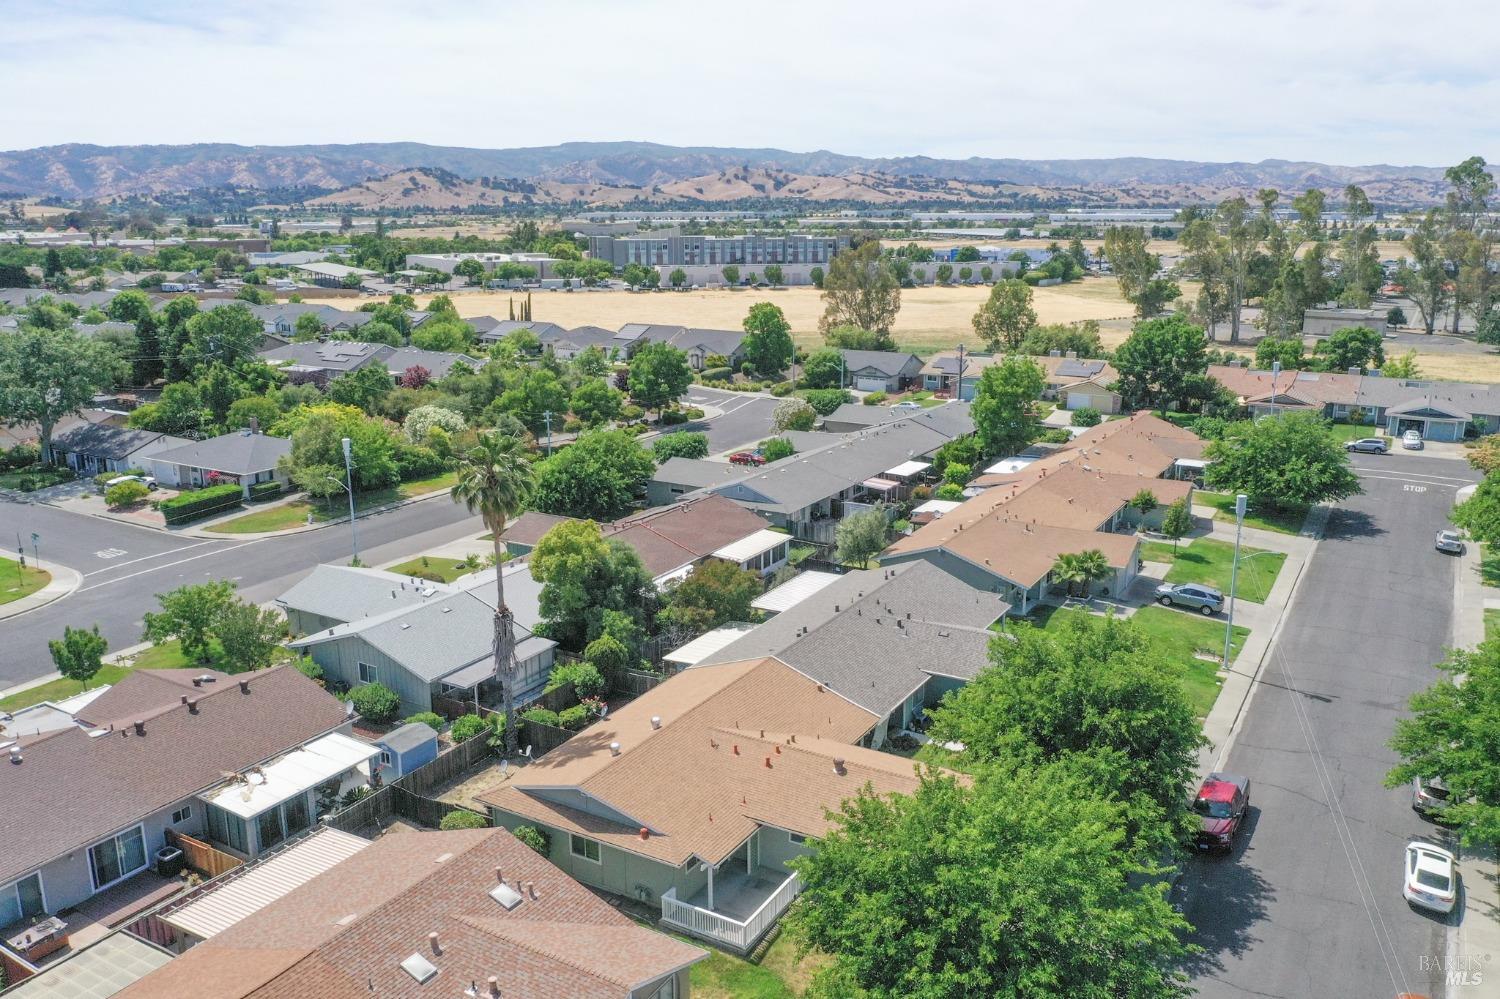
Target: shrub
[
  {"x": 631, "y": 413},
  {"x": 200, "y": 503},
  {"x": 825, "y": 401},
  {"x": 680, "y": 445},
  {"x": 22, "y": 455},
  {"x": 265, "y": 490},
  {"x": 431, "y": 719},
  {"x": 103, "y": 479},
  {"x": 875, "y": 398},
  {"x": 950, "y": 491},
  {"x": 694, "y": 413},
  {"x": 716, "y": 374},
  {"x": 375, "y": 702},
  {"x": 672, "y": 417},
  {"x": 586, "y": 679},
  {"x": 781, "y": 389},
  {"x": 309, "y": 669},
  {"x": 921, "y": 494},
  {"x": 125, "y": 494},
  {"x": 462, "y": 818},
  {"x": 414, "y": 462},
  {"x": 466, "y": 727},
  {"x": 574, "y": 718},
  {"x": 776, "y": 448},
  {"x": 535, "y": 838},
  {"x": 1057, "y": 435},
  {"x": 572, "y": 426},
  {"x": 1086, "y": 416},
  {"x": 542, "y": 716}
]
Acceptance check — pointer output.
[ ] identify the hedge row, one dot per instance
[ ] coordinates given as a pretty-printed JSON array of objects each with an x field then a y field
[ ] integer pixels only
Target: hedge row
[
  {"x": 200, "y": 502},
  {"x": 265, "y": 490}
]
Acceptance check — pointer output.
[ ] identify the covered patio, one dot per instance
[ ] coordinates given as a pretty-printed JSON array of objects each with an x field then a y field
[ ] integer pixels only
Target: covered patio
[{"x": 736, "y": 908}]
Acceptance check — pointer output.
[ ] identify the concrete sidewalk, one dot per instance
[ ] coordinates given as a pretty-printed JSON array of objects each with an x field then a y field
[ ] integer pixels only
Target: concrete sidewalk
[{"x": 63, "y": 582}]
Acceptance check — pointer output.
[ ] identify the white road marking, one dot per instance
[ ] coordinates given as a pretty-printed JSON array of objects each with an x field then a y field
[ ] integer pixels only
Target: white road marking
[
  {"x": 1413, "y": 489},
  {"x": 1400, "y": 478},
  {"x": 144, "y": 558},
  {"x": 108, "y": 553},
  {"x": 168, "y": 565}
]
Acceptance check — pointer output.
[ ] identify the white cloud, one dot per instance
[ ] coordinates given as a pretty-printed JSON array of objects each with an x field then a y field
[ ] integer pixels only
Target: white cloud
[{"x": 1340, "y": 82}]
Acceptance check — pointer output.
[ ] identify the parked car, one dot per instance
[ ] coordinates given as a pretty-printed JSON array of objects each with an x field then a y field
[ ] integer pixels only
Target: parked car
[
  {"x": 907, "y": 405},
  {"x": 1207, "y": 599},
  {"x": 1412, "y": 440},
  {"x": 747, "y": 458},
  {"x": 1369, "y": 445},
  {"x": 1221, "y": 803},
  {"x": 1449, "y": 541},
  {"x": 149, "y": 481},
  {"x": 1431, "y": 877},
  {"x": 1429, "y": 795}
]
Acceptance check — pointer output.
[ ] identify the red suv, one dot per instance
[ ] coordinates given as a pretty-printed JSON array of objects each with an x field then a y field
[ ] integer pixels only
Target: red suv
[
  {"x": 1221, "y": 804},
  {"x": 747, "y": 458}
]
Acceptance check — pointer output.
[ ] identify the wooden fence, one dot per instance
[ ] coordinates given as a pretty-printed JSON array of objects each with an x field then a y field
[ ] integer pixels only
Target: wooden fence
[
  {"x": 636, "y": 682},
  {"x": 201, "y": 857},
  {"x": 408, "y": 796},
  {"x": 542, "y": 738}
]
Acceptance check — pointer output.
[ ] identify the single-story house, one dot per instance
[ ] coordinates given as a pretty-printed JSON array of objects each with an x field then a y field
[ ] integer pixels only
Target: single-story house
[
  {"x": 246, "y": 457},
  {"x": 503, "y": 328},
  {"x": 321, "y": 362},
  {"x": 880, "y": 370},
  {"x": 281, "y": 318},
  {"x": 571, "y": 343},
  {"x": 88, "y": 805},
  {"x": 695, "y": 796},
  {"x": 405, "y": 748},
  {"x": 417, "y": 637},
  {"x": 1074, "y": 382},
  {"x": 698, "y": 344},
  {"x": 468, "y": 912},
  {"x": 439, "y": 363},
  {"x": 91, "y": 448}
]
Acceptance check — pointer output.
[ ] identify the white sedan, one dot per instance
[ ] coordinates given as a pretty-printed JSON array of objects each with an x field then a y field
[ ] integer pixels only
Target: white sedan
[{"x": 1431, "y": 877}]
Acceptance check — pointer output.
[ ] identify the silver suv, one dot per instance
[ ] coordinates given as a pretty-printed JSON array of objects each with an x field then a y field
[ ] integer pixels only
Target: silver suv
[{"x": 1207, "y": 599}]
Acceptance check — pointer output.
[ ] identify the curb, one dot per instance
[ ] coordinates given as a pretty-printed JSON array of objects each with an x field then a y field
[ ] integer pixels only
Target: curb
[
  {"x": 64, "y": 582},
  {"x": 207, "y": 535}
]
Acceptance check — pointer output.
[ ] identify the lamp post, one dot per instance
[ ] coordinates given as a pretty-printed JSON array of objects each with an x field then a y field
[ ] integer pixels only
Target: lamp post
[
  {"x": 1275, "y": 374},
  {"x": 348, "y": 483},
  {"x": 1234, "y": 571}
]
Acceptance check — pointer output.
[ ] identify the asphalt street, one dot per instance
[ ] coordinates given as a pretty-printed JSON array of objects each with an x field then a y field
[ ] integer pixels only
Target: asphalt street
[
  {"x": 125, "y": 566},
  {"x": 1309, "y": 903},
  {"x": 746, "y": 420}
]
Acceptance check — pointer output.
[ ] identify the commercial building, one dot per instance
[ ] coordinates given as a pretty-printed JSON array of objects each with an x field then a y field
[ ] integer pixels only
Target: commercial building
[{"x": 748, "y": 251}]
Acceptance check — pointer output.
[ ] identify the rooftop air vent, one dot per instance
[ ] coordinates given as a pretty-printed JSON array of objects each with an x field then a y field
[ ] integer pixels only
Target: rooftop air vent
[
  {"x": 419, "y": 968},
  {"x": 507, "y": 896}
]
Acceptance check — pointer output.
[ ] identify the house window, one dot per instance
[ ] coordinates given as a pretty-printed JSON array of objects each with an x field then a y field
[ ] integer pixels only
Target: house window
[
  {"x": 268, "y": 827},
  {"x": 22, "y": 900},
  {"x": 227, "y": 828},
  {"x": 796, "y": 839},
  {"x": 368, "y": 673},
  {"x": 588, "y": 849},
  {"x": 385, "y": 758},
  {"x": 182, "y": 814},
  {"x": 118, "y": 857}
]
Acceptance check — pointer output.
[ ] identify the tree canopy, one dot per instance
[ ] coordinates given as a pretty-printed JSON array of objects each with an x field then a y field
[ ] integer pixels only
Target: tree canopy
[
  {"x": 1280, "y": 460},
  {"x": 768, "y": 340},
  {"x": 583, "y": 577},
  {"x": 1007, "y": 316},
  {"x": 1158, "y": 362},
  {"x": 659, "y": 374},
  {"x": 1002, "y": 409},
  {"x": 860, "y": 289},
  {"x": 599, "y": 476}
]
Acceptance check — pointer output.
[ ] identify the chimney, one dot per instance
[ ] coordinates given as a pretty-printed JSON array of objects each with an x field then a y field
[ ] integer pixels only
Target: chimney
[
  {"x": 614, "y": 749},
  {"x": 838, "y": 766},
  {"x": 768, "y": 763},
  {"x": 192, "y": 705},
  {"x": 432, "y": 941},
  {"x": 254, "y": 425},
  {"x": 197, "y": 681},
  {"x": 531, "y": 889},
  {"x": 184, "y": 698},
  {"x": 140, "y": 727},
  {"x": 244, "y": 686},
  {"x": 498, "y": 876},
  {"x": 494, "y": 984},
  {"x": 656, "y": 721},
  {"x": 736, "y": 748}
]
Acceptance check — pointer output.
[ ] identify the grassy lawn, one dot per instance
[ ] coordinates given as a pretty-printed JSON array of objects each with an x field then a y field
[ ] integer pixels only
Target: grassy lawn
[
  {"x": 448, "y": 569},
  {"x": 1491, "y": 623},
  {"x": 1489, "y": 565},
  {"x": 43, "y": 476},
  {"x": 778, "y": 976},
  {"x": 1209, "y": 562},
  {"x": 294, "y": 514},
  {"x": 168, "y": 655},
  {"x": 1344, "y": 432},
  {"x": 1180, "y": 635},
  {"x": 1283, "y": 521},
  {"x": 16, "y": 582}
]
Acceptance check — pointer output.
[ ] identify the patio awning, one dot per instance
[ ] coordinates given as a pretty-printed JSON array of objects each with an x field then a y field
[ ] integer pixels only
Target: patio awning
[
  {"x": 752, "y": 545},
  {"x": 1009, "y": 465},
  {"x": 794, "y": 591},
  {"x": 907, "y": 469},
  {"x": 263, "y": 883},
  {"x": 880, "y": 485},
  {"x": 295, "y": 773},
  {"x": 936, "y": 506},
  {"x": 1198, "y": 463},
  {"x": 707, "y": 644},
  {"x": 483, "y": 669}
]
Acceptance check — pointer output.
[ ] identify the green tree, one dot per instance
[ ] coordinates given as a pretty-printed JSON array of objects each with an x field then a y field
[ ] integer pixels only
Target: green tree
[
  {"x": 683, "y": 444},
  {"x": 1358, "y": 259},
  {"x": 659, "y": 374},
  {"x": 860, "y": 289},
  {"x": 317, "y": 454},
  {"x": 46, "y": 375},
  {"x": 1428, "y": 283},
  {"x": 599, "y": 476},
  {"x": 1286, "y": 350},
  {"x": 962, "y": 890},
  {"x": 584, "y": 578},
  {"x": 1004, "y": 418},
  {"x": 774, "y": 274},
  {"x": 449, "y": 335},
  {"x": 855, "y": 338},
  {"x": 823, "y": 368},
  {"x": 678, "y": 277},
  {"x": 635, "y": 275},
  {"x": 1135, "y": 268},
  {"x": 310, "y": 327},
  {"x": 190, "y": 614},
  {"x": 1007, "y": 316},
  {"x": 471, "y": 269},
  {"x": 944, "y": 274},
  {"x": 249, "y": 635},
  {"x": 1158, "y": 361},
  {"x": 1454, "y": 733},
  {"x": 376, "y": 331},
  {"x": 715, "y": 593},
  {"x": 768, "y": 340},
  {"x": 595, "y": 402},
  {"x": 1404, "y": 366},
  {"x": 1281, "y": 460},
  {"x": 533, "y": 396},
  {"x": 731, "y": 275},
  {"x": 1480, "y": 513},
  {"x": 134, "y": 307},
  {"x": 1081, "y": 338},
  {"x": 1143, "y": 502},
  {"x": 793, "y": 414},
  {"x": 495, "y": 480},
  {"x": 776, "y": 448},
  {"x": 229, "y": 334},
  {"x": 79, "y": 654},
  {"x": 1177, "y": 522},
  {"x": 861, "y": 536},
  {"x": 1351, "y": 347},
  {"x": 363, "y": 388},
  {"x": 825, "y": 401}
]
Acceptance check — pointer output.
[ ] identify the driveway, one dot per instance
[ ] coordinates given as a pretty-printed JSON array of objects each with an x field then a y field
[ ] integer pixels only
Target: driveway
[{"x": 1309, "y": 903}]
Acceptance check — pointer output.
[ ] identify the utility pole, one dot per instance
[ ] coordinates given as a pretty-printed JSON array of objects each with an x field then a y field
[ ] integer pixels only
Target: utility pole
[
  {"x": 349, "y": 485},
  {"x": 1234, "y": 572},
  {"x": 1275, "y": 374},
  {"x": 547, "y": 416},
  {"x": 958, "y": 393}
]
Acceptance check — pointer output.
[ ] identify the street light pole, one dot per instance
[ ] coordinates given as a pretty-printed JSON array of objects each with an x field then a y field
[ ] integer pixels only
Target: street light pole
[
  {"x": 1234, "y": 571},
  {"x": 1275, "y": 374},
  {"x": 547, "y": 416},
  {"x": 349, "y": 487}
]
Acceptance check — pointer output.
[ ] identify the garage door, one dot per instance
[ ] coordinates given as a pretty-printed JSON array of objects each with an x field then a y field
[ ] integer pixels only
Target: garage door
[
  {"x": 870, "y": 384},
  {"x": 1078, "y": 400}
]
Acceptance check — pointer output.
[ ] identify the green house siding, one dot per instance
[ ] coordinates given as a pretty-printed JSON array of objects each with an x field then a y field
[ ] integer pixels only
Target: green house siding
[{"x": 340, "y": 660}]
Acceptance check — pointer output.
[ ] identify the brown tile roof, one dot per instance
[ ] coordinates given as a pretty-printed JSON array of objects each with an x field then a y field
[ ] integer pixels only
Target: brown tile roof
[
  {"x": 530, "y": 526},
  {"x": 685, "y": 782},
  {"x": 346, "y": 932},
  {"x": 72, "y": 789}
]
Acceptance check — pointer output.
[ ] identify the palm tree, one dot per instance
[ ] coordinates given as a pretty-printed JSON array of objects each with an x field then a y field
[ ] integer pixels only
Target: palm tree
[
  {"x": 1090, "y": 566},
  {"x": 1065, "y": 570},
  {"x": 495, "y": 478}
]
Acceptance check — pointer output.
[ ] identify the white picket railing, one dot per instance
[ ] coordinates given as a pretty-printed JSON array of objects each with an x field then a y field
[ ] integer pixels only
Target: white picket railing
[{"x": 719, "y": 927}]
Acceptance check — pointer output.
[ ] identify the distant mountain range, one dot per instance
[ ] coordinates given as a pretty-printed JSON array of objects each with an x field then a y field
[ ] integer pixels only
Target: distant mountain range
[{"x": 619, "y": 172}]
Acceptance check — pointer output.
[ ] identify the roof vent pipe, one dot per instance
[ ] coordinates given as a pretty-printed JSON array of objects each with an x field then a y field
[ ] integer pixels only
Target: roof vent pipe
[
  {"x": 656, "y": 721},
  {"x": 244, "y": 686},
  {"x": 432, "y": 941},
  {"x": 494, "y": 984},
  {"x": 838, "y": 766},
  {"x": 192, "y": 705},
  {"x": 15, "y": 754},
  {"x": 614, "y": 749},
  {"x": 140, "y": 727}
]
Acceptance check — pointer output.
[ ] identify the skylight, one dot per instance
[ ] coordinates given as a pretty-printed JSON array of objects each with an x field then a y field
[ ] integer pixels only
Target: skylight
[
  {"x": 507, "y": 896},
  {"x": 420, "y": 968}
]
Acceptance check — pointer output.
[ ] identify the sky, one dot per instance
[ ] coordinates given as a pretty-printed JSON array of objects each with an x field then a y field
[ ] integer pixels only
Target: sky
[{"x": 1331, "y": 81}]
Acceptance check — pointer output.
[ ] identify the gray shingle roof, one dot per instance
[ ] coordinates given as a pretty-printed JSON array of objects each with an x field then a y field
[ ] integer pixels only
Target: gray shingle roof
[
  {"x": 1391, "y": 393},
  {"x": 876, "y": 636},
  {"x": 334, "y": 355},
  {"x": 438, "y": 362},
  {"x": 504, "y": 328},
  {"x": 889, "y": 363},
  {"x": 724, "y": 342},
  {"x": 110, "y": 442},
  {"x": 240, "y": 453},
  {"x": 347, "y": 593},
  {"x": 408, "y": 737}
]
